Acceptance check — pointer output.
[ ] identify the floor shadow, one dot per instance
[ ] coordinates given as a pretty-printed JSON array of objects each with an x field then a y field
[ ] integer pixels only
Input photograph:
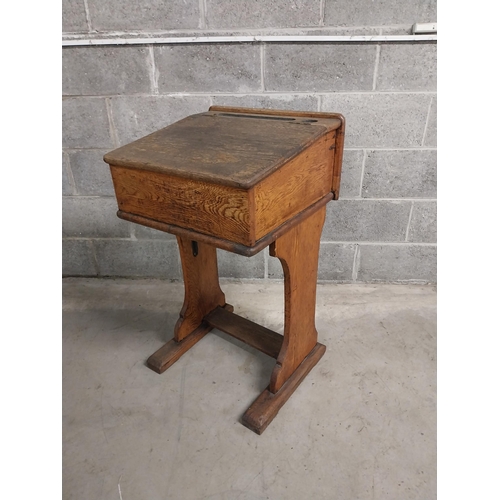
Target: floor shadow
[{"x": 264, "y": 362}]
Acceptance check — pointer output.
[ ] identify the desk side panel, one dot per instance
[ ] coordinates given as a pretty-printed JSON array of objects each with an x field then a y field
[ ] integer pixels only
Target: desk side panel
[
  {"x": 212, "y": 209},
  {"x": 295, "y": 186}
]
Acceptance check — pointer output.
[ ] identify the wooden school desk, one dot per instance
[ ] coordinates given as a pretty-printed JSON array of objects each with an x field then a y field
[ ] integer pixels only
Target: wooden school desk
[{"x": 239, "y": 179}]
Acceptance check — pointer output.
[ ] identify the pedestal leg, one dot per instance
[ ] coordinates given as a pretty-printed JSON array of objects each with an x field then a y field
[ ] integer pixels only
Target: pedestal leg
[
  {"x": 202, "y": 294},
  {"x": 298, "y": 251}
]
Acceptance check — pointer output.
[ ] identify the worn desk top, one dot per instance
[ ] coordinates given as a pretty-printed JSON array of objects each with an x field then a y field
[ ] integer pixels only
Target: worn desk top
[{"x": 229, "y": 148}]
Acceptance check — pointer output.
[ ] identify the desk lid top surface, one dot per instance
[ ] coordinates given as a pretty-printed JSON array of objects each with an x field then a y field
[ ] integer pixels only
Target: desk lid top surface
[{"x": 230, "y": 148}]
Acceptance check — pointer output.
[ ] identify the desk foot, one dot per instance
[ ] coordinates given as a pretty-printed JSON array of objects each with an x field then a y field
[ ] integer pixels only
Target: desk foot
[
  {"x": 167, "y": 355},
  {"x": 263, "y": 410}
]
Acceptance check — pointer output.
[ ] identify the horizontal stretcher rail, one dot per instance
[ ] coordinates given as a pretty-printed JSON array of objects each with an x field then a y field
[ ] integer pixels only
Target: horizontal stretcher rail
[{"x": 247, "y": 331}]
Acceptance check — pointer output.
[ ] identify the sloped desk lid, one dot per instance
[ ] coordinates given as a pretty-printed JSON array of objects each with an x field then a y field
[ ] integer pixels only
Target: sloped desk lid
[{"x": 230, "y": 148}]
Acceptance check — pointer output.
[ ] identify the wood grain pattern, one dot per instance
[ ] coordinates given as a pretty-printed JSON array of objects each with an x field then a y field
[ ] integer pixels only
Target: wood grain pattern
[
  {"x": 239, "y": 179},
  {"x": 235, "y": 173},
  {"x": 337, "y": 123},
  {"x": 230, "y": 149},
  {"x": 208, "y": 208},
  {"x": 202, "y": 292},
  {"x": 247, "y": 331},
  {"x": 265, "y": 408},
  {"x": 169, "y": 353},
  {"x": 230, "y": 246},
  {"x": 298, "y": 252},
  {"x": 294, "y": 187}
]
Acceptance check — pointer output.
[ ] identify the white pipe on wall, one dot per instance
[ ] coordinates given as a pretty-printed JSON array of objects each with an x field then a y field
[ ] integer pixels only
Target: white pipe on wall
[{"x": 246, "y": 39}]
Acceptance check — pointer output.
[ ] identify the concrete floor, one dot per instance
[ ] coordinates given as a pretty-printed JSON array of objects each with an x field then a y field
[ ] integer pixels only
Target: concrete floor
[{"x": 362, "y": 425}]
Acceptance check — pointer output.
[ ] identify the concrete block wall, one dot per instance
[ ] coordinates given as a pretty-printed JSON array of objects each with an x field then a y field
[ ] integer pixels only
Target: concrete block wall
[{"x": 383, "y": 228}]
